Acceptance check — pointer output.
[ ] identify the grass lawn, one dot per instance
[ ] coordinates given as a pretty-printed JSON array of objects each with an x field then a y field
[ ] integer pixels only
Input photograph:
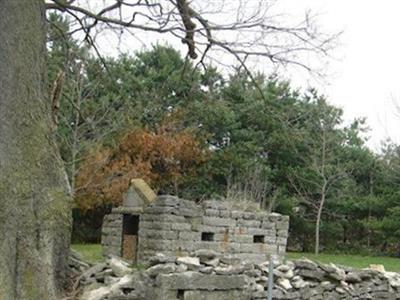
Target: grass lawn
[
  {"x": 355, "y": 261},
  {"x": 92, "y": 253},
  {"x": 89, "y": 252}
]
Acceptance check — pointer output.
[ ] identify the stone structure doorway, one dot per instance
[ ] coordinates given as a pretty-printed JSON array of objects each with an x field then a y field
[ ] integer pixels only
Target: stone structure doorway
[{"x": 130, "y": 241}]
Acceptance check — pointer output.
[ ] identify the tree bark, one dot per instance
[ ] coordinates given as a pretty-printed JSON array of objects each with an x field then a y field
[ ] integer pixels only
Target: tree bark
[
  {"x": 317, "y": 224},
  {"x": 319, "y": 215},
  {"x": 35, "y": 200}
]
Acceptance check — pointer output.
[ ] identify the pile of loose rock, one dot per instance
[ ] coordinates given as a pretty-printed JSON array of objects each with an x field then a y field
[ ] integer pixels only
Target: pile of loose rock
[
  {"x": 76, "y": 264},
  {"x": 208, "y": 276}
]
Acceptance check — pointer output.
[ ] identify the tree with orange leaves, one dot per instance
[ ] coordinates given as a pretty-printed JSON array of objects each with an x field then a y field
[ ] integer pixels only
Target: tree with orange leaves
[{"x": 163, "y": 157}]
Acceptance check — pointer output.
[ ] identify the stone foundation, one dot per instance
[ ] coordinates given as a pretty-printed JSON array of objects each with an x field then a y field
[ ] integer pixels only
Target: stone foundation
[{"x": 208, "y": 276}]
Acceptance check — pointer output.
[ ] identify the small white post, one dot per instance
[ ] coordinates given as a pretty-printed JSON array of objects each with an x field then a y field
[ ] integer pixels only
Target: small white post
[{"x": 270, "y": 276}]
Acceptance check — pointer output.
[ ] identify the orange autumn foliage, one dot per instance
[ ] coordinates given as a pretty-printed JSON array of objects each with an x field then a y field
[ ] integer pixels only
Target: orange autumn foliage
[{"x": 163, "y": 158}]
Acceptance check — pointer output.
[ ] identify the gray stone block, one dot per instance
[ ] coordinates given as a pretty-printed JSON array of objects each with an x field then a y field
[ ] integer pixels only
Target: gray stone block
[
  {"x": 274, "y": 217},
  {"x": 282, "y": 225},
  {"x": 182, "y": 245},
  {"x": 189, "y": 212},
  {"x": 253, "y": 248},
  {"x": 211, "y": 212},
  {"x": 271, "y": 248},
  {"x": 149, "y": 217},
  {"x": 224, "y": 213},
  {"x": 168, "y": 246},
  {"x": 222, "y": 237},
  {"x": 114, "y": 223},
  {"x": 146, "y": 254},
  {"x": 152, "y": 245},
  {"x": 285, "y": 218},
  {"x": 190, "y": 236},
  {"x": 242, "y": 238},
  {"x": 283, "y": 233},
  {"x": 177, "y": 253},
  {"x": 158, "y": 234},
  {"x": 249, "y": 215},
  {"x": 239, "y": 230},
  {"x": 267, "y": 224},
  {"x": 146, "y": 224},
  {"x": 237, "y": 214},
  {"x": 258, "y": 231},
  {"x": 269, "y": 232},
  {"x": 193, "y": 281},
  {"x": 112, "y": 240},
  {"x": 213, "y": 221},
  {"x": 258, "y": 248},
  {"x": 281, "y": 241},
  {"x": 234, "y": 247},
  {"x": 249, "y": 223},
  {"x": 209, "y": 245},
  {"x": 208, "y": 228},
  {"x": 159, "y": 210},
  {"x": 159, "y": 225},
  {"x": 181, "y": 226},
  {"x": 163, "y": 294},
  {"x": 113, "y": 217},
  {"x": 217, "y": 295},
  {"x": 252, "y": 257},
  {"x": 270, "y": 239},
  {"x": 173, "y": 219},
  {"x": 127, "y": 210},
  {"x": 111, "y": 231},
  {"x": 111, "y": 250}
]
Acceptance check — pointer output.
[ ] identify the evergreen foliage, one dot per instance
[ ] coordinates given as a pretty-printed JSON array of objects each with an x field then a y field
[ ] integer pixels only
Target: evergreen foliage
[{"x": 201, "y": 134}]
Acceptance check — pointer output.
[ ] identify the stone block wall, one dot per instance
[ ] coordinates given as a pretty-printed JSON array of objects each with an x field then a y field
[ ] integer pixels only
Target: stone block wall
[
  {"x": 111, "y": 234},
  {"x": 178, "y": 227}
]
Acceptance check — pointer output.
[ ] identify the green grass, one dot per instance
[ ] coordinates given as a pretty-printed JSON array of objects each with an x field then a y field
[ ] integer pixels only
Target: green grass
[
  {"x": 92, "y": 253},
  {"x": 89, "y": 252},
  {"x": 355, "y": 261}
]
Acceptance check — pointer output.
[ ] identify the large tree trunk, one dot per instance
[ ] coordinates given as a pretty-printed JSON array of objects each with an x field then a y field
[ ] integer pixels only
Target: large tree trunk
[{"x": 34, "y": 193}]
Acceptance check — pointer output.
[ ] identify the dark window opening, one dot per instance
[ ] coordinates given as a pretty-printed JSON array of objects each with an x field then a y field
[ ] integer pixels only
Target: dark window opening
[
  {"x": 207, "y": 236},
  {"x": 131, "y": 224},
  {"x": 130, "y": 229},
  {"x": 258, "y": 239},
  {"x": 180, "y": 295}
]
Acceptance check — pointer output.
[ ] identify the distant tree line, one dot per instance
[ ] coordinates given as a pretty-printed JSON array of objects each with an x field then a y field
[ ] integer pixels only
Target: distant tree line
[{"x": 200, "y": 134}]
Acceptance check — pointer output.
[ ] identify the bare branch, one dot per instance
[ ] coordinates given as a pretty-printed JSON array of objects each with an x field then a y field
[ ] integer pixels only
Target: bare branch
[{"x": 245, "y": 30}]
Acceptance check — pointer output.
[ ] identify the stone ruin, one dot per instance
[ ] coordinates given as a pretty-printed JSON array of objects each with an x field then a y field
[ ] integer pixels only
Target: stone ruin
[
  {"x": 146, "y": 225},
  {"x": 207, "y": 275},
  {"x": 209, "y": 251}
]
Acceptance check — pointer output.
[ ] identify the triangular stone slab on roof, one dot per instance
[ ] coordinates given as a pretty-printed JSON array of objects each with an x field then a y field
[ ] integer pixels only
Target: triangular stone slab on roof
[{"x": 139, "y": 194}]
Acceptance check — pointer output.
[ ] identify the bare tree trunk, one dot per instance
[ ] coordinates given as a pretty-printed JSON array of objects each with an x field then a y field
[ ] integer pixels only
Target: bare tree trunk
[
  {"x": 75, "y": 138},
  {"x": 34, "y": 192},
  {"x": 318, "y": 222},
  {"x": 371, "y": 194},
  {"x": 323, "y": 191}
]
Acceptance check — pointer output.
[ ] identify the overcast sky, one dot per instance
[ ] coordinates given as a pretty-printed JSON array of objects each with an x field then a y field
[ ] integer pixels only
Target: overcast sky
[
  {"x": 365, "y": 81},
  {"x": 364, "y": 76}
]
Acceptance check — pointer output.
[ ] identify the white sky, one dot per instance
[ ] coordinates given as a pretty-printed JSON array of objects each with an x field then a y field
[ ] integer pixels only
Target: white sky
[
  {"x": 365, "y": 81},
  {"x": 364, "y": 77}
]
